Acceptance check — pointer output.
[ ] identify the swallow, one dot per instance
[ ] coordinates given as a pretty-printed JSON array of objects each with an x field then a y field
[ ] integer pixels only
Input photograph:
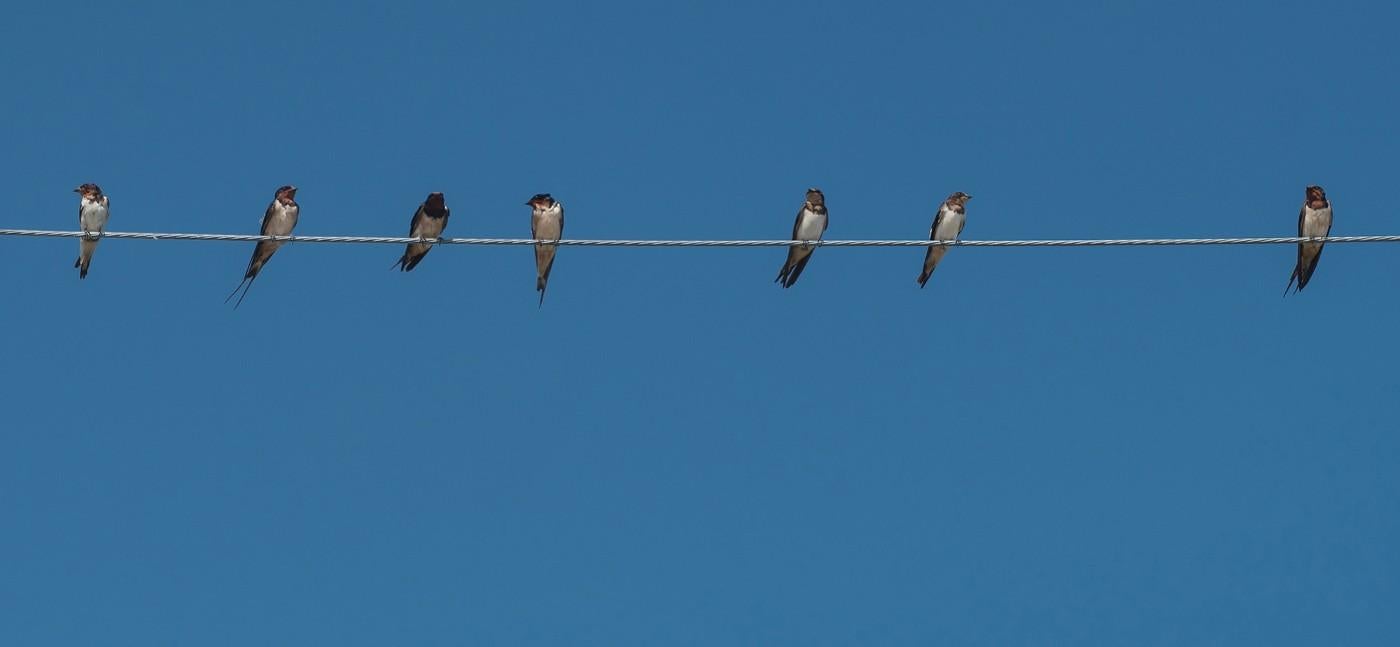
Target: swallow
[
  {"x": 947, "y": 225},
  {"x": 810, "y": 225},
  {"x": 279, "y": 220},
  {"x": 546, "y": 223},
  {"x": 1314, "y": 221},
  {"x": 428, "y": 223},
  {"x": 92, "y": 219}
]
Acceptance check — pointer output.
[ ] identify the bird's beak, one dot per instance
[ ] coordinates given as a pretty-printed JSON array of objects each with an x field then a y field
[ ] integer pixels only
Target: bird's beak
[{"x": 78, "y": 190}]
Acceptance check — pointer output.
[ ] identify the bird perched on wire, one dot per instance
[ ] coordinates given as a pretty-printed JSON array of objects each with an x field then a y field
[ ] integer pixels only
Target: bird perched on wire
[
  {"x": 546, "y": 223},
  {"x": 1314, "y": 221},
  {"x": 428, "y": 223},
  {"x": 810, "y": 225},
  {"x": 92, "y": 219},
  {"x": 279, "y": 220},
  {"x": 947, "y": 225}
]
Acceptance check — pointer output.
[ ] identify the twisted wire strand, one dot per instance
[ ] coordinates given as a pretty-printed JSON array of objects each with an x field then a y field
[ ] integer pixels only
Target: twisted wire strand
[{"x": 398, "y": 240}]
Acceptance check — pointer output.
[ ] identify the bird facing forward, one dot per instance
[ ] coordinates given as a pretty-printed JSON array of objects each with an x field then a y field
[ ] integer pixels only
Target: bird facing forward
[
  {"x": 1314, "y": 221},
  {"x": 92, "y": 219},
  {"x": 810, "y": 225},
  {"x": 947, "y": 225}
]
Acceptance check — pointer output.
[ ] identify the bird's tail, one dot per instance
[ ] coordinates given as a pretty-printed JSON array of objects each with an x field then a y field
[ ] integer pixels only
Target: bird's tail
[
  {"x": 248, "y": 282},
  {"x": 796, "y": 271},
  {"x": 86, "y": 247},
  {"x": 409, "y": 261},
  {"x": 245, "y": 292},
  {"x": 787, "y": 267},
  {"x": 929, "y": 267},
  {"x": 1290, "y": 282},
  {"x": 544, "y": 266}
]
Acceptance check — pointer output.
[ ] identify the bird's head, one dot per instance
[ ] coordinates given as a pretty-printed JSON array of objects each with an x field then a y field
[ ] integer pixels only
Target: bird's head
[
  {"x": 88, "y": 190},
  {"x": 815, "y": 197},
  {"x": 959, "y": 198},
  {"x": 540, "y": 201},
  {"x": 435, "y": 201},
  {"x": 286, "y": 194}
]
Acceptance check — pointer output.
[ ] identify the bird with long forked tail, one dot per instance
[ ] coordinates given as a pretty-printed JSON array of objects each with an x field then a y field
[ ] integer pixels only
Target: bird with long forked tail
[
  {"x": 810, "y": 225},
  {"x": 1314, "y": 221},
  {"x": 279, "y": 220}
]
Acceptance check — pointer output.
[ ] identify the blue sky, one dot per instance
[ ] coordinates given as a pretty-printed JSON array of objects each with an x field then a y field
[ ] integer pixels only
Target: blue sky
[{"x": 1072, "y": 446}]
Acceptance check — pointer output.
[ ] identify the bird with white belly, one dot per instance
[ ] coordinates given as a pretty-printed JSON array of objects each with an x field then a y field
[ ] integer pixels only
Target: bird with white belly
[
  {"x": 947, "y": 225},
  {"x": 811, "y": 224},
  {"x": 93, "y": 209},
  {"x": 1314, "y": 221}
]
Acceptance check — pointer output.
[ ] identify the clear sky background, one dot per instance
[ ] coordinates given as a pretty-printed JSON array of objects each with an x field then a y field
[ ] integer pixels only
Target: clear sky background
[{"x": 1087, "y": 446}]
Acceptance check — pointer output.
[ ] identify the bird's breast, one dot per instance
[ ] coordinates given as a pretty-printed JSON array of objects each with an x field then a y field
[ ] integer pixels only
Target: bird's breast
[
  {"x": 811, "y": 226},
  {"x": 1316, "y": 222},
  {"x": 94, "y": 215},
  {"x": 284, "y": 219},
  {"x": 949, "y": 225}
]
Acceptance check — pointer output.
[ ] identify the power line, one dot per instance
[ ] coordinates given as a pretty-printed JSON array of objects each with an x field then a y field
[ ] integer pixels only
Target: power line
[{"x": 391, "y": 240}]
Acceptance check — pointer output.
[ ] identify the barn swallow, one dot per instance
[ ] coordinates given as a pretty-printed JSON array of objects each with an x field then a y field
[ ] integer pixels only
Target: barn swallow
[
  {"x": 546, "y": 223},
  {"x": 92, "y": 219},
  {"x": 947, "y": 225},
  {"x": 279, "y": 220},
  {"x": 1314, "y": 221},
  {"x": 810, "y": 225},
  {"x": 428, "y": 223}
]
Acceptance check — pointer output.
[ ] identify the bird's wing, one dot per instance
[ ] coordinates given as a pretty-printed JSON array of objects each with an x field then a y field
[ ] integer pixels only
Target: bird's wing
[
  {"x": 267, "y": 217},
  {"x": 1302, "y": 218},
  {"x": 933, "y": 229},
  {"x": 417, "y": 218}
]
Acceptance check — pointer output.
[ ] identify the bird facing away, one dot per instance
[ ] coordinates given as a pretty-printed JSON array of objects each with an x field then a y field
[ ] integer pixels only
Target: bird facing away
[
  {"x": 1314, "y": 221},
  {"x": 428, "y": 223},
  {"x": 810, "y": 225},
  {"x": 279, "y": 220},
  {"x": 546, "y": 223},
  {"x": 947, "y": 225},
  {"x": 92, "y": 219}
]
